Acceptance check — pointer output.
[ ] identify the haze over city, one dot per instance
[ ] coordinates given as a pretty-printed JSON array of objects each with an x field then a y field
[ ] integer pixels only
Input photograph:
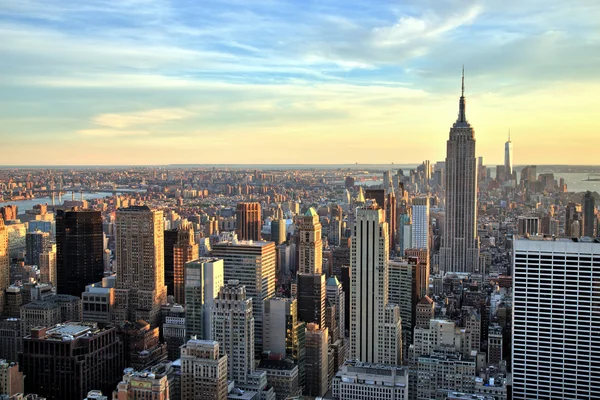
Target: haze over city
[{"x": 159, "y": 82}]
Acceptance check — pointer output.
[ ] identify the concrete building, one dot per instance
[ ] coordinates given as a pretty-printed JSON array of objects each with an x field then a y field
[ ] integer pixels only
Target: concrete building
[
  {"x": 528, "y": 226},
  {"x": 248, "y": 220},
  {"x": 445, "y": 371},
  {"x": 204, "y": 278},
  {"x": 47, "y": 264},
  {"x": 142, "y": 385},
  {"x": 203, "y": 371},
  {"x": 233, "y": 328},
  {"x": 253, "y": 264},
  {"x": 311, "y": 298},
  {"x": 180, "y": 247},
  {"x": 495, "y": 345},
  {"x": 555, "y": 323},
  {"x": 98, "y": 303},
  {"x": 4, "y": 264},
  {"x": 310, "y": 245},
  {"x": 460, "y": 246},
  {"x": 173, "y": 329},
  {"x": 369, "y": 289},
  {"x": 357, "y": 380},
  {"x": 140, "y": 288},
  {"x": 11, "y": 343},
  {"x": 282, "y": 375},
  {"x": 317, "y": 362},
  {"x": 54, "y": 310},
  {"x": 11, "y": 378},
  {"x": 589, "y": 215},
  {"x": 278, "y": 231},
  {"x": 67, "y": 361},
  {"x": 425, "y": 312},
  {"x": 141, "y": 344},
  {"x": 36, "y": 243}
]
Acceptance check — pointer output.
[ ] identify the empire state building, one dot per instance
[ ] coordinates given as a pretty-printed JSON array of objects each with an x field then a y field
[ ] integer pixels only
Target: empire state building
[{"x": 460, "y": 244}]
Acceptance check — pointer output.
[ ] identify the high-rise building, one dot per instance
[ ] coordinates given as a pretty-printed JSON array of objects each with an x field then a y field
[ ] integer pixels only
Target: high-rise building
[
  {"x": 311, "y": 247},
  {"x": 278, "y": 231},
  {"x": 4, "y": 264},
  {"x": 555, "y": 319},
  {"x": 173, "y": 329},
  {"x": 142, "y": 345},
  {"x": 369, "y": 291},
  {"x": 233, "y": 328},
  {"x": 11, "y": 343},
  {"x": 36, "y": 243},
  {"x": 420, "y": 223},
  {"x": 47, "y": 264},
  {"x": 203, "y": 371},
  {"x": 204, "y": 278},
  {"x": 11, "y": 378},
  {"x": 495, "y": 345},
  {"x": 79, "y": 250},
  {"x": 140, "y": 288},
  {"x": 142, "y": 385},
  {"x": 508, "y": 158},
  {"x": 528, "y": 225},
  {"x": 358, "y": 380},
  {"x": 460, "y": 245},
  {"x": 425, "y": 312},
  {"x": 589, "y": 215},
  {"x": 316, "y": 360},
  {"x": 180, "y": 247},
  {"x": 67, "y": 361},
  {"x": 253, "y": 264},
  {"x": 335, "y": 294},
  {"x": 573, "y": 216},
  {"x": 311, "y": 298},
  {"x": 98, "y": 302},
  {"x": 248, "y": 221}
]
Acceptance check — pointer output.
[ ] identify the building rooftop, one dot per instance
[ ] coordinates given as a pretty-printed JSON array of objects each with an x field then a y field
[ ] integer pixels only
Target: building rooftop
[{"x": 310, "y": 212}]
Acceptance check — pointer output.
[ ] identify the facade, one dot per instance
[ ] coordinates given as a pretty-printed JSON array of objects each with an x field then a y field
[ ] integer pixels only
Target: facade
[
  {"x": 589, "y": 215},
  {"x": 460, "y": 246},
  {"x": 140, "y": 290},
  {"x": 141, "y": 345},
  {"x": 444, "y": 372},
  {"x": 248, "y": 221},
  {"x": 420, "y": 223},
  {"x": 495, "y": 345},
  {"x": 79, "y": 250},
  {"x": 46, "y": 313},
  {"x": 336, "y": 296},
  {"x": 253, "y": 264},
  {"x": 311, "y": 298},
  {"x": 555, "y": 323},
  {"x": 401, "y": 292},
  {"x": 528, "y": 226},
  {"x": 203, "y": 280},
  {"x": 36, "y": 243},
  {"x": 369, "y": 289},
  {"x": 317, "y": 362},
  {"x": 233, "y": 328},
  {"x": 67, "y": 361},
  {"x": 180, "y": 247},
  {"x": 173, "y": 329},
  {"x": 310, "y": 245},
  {"x": 203, "y": 371},
  {"x": 357, "y": 380},
  {"x": 10, "y": 339},
  {"x": 142, "y": 385},
  {"x": 4, "y": 264},
  {"x": 47, "y": 264},
  {"x": 278, "y": 231},
  {"x": 11, "y": 378},
  {"x": 425, "y": 312},
  {"x": 98, "y": 303},
  {"x": 282, "y": 375}
]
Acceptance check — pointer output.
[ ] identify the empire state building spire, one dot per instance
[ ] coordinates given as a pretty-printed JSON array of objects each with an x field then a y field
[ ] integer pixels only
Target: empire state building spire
[{"x": 462, "y": 105}]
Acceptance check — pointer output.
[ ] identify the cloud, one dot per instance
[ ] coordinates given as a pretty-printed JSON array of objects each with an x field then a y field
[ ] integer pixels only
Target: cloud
[
  {"x": 144, "y": 118},
  {"x": 110, "y": 133}
]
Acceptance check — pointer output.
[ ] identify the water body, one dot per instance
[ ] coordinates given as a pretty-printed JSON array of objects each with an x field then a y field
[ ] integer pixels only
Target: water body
[{"x": 25, "y": 205}]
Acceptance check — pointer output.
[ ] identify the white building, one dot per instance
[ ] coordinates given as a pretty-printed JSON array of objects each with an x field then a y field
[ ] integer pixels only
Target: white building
[
  {"x": 420, "y": 222},
  {"x": 357, "y": 380},
  {"x": 203, "y": 280},
  {"x": 555, "y": 319}
]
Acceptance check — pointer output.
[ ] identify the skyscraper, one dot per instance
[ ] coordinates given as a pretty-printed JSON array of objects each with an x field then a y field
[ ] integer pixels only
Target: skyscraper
[
  {"x": 253, "y": 264},
  {"x": 4, "y": 264},
  {"x": 311, "y": 298},
  {"x": 555, "y": 333},
  {"x": 180, "y": 247},
  {"x": 370, "y": 316},
  {"x": 460, "y": 245},
  {"x": 248, "y": 221},
  {"x": 233, "y": 328},
  {"x": 278, "y": 231},
  {"x": 311, "y": 246},
  {"x": 140, "y": 288},
  {"x": 203, "y": 280},
  {"x": 316, "y": 360},
  {"x": 36, "y": 243},
  {"x": 79, "y": 250},
  {"x": 420, "y": 223},
  {"x": 589, "y": 214},
  {"x": 508, "y": 158},
  {"x": 203, "y": 371}
]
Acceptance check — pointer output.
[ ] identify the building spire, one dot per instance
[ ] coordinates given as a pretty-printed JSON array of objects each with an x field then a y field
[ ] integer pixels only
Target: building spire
[
  {"x": 509, "y": 134},
  {"x": 462, "y": 106}
]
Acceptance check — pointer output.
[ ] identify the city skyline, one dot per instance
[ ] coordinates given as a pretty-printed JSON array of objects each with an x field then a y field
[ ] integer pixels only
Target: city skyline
[{"x": 141, "y": 82}]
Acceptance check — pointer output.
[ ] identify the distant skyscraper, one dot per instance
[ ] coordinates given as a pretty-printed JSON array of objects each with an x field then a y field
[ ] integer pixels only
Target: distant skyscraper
[
  {"x": 4, "y": 264},
  {"x": 335, "y": 295},
  {"x": 370, "y": 316},
  {"x": 140, "y": 288},
  {"x": 79, "y": 250},
  {"x": 278, "y": 231},
  {"x": 508, "y": 158},
  {"x": 589, "y": 216},
  {"x": 180, "y": 247},
  {"x": 203, "y": 280},
  {"x": 36, "y": 243},
  {"x": 460, "y": 245},
  {"x": 253, "y": 264},
  {"x": 203, "y": 371},
  {"x": 233, "y": 328},
  {"x": 420, "y": 223},
  {"x": 47, "y": 265},
  {"x": 555, "y": 321},
  {"x": 248, "y": 220},
  {"x": 311, "y": 246},
  {"x": 311, "y": 298}
]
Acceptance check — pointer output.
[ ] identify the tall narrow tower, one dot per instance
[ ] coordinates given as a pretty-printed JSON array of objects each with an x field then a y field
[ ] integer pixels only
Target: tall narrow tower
[
  {"x": 311, "y": 246},
  {"x": 508, "y": 158},
  {"x": 460, "y": 245},
  {"x": 4, "y": 263}
]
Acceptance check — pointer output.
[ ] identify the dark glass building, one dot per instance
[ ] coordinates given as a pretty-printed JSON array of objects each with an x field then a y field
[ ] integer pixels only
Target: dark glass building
[{"x": 79, "y": 250}]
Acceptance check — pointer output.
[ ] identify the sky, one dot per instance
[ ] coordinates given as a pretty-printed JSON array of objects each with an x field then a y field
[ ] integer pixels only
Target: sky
[{"x": 298, "y": 81}]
